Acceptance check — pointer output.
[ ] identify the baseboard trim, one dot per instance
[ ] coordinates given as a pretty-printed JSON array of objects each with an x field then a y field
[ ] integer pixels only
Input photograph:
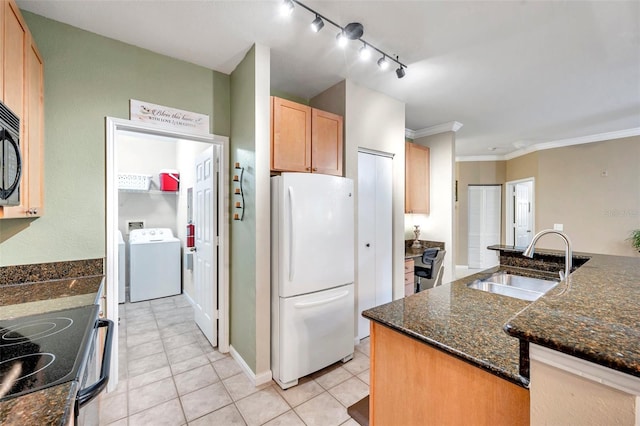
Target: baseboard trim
[
  {"x": 189, "y": 299},
  {"x": 257, "y": 380}
]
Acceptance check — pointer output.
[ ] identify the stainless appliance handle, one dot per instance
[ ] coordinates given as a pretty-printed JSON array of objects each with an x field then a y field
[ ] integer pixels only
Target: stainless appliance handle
[{"x": 87, "y": 394}]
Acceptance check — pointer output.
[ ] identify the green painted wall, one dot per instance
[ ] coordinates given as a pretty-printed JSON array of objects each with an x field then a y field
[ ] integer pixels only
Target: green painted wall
[
  {"x": 88, "y": 77},
  {"x": 289, "y": 97},
  {"x": 243, "y": 233}
]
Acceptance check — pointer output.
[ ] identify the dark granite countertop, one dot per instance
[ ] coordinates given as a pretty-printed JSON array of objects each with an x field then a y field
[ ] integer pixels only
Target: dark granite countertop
[
  {"x": 594, "y": 315},
  {"x": 17, "y": 300},
  {"x": 34, "y": 289},
  {"x": 410, "y": 252},
  {"x": 464, "y": 322},
  {"x": 50, "y": 406}
]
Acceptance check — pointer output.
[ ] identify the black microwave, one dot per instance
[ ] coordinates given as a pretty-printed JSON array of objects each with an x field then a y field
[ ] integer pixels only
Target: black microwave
[{"x": 10, "y": 160}]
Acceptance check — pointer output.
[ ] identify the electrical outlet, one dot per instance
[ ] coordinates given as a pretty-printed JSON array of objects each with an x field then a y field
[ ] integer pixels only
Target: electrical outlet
[
  {"x": 558, "y": 227},
  {"x": 134, "y": 224}
]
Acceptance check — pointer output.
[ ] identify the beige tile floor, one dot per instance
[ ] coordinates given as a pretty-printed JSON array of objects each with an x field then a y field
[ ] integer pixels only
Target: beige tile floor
[{"x": 170, "y": 375}]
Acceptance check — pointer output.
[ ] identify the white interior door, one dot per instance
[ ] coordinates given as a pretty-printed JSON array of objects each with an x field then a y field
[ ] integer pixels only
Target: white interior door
[
  {"x": 484, "y": 225},
  {"x": 205, "y": 270},
  {"x": 523, "y": 219},
  {"x": 375, "y": 284}
]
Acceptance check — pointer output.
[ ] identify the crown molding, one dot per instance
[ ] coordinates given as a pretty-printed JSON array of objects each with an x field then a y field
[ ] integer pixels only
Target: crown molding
[
  {"x": 408, "y": 133},
  {"x": 619, "y": 134},
  {"x": 480, "y": 158},
  {"x": 574, "y": 141},
  {"x": 452, "y": 126}
]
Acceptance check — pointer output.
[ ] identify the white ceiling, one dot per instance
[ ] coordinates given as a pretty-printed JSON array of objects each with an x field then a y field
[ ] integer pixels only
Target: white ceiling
[{"x": 514, "y": 73}]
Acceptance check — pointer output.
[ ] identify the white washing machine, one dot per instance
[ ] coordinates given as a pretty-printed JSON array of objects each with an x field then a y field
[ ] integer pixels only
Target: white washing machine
[
  {"x": 154, "y": 264},
  {"x": 122, "y": 268}
]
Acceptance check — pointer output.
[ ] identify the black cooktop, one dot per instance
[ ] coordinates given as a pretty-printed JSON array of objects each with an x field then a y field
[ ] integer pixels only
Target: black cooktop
[{"x": 43, "y": 350}]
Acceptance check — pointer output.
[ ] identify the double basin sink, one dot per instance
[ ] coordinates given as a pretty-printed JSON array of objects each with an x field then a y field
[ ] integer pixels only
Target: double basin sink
[{"x": 520, "y": 287}]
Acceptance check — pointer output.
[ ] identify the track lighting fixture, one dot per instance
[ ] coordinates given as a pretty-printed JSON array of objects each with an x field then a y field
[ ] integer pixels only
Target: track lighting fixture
[
  {"x": 286, "y": 8},
  {"x": 365, "y": 52},
  {"x": 317, "y": 24},
  {"x": 352, "y": 31},
  {"x": 341, "y": 39},
  {"x": 383, "y": 63}
]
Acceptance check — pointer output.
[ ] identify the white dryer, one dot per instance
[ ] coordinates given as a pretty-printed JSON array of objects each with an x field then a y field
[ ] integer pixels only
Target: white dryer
[{"x": 154, "y": 264}]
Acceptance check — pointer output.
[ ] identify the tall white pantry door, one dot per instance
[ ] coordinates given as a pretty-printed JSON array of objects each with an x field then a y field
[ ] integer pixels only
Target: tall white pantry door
[{"x": 375, "y": 283}]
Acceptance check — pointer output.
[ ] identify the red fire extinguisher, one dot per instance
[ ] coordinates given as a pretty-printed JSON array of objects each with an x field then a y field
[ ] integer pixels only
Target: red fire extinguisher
[{"x": 191, "y": 232}]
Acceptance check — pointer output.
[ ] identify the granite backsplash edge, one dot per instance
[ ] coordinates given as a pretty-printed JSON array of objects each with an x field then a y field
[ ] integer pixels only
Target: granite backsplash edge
[{"x": 38, "y": 272}]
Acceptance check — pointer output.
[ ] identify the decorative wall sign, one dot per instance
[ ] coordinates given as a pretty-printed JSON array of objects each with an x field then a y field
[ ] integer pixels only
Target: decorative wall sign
[{"x": 168, "y": 118}]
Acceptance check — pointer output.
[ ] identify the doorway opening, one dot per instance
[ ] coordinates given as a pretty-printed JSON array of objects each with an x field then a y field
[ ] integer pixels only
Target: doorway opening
[
  {"x": 185, "y": 147},
  {"x": 520, "y": 212}
]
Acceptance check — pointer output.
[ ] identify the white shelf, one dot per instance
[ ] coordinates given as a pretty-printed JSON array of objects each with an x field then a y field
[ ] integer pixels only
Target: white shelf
[{"x": 148, "y": 191}]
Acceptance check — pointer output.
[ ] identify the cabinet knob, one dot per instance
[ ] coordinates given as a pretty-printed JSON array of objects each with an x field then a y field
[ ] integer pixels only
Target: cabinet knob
[
  {"x": 308, "y": 168},
  {"x": 367, "y": 245},
  {"x": 315, "y": 169}
]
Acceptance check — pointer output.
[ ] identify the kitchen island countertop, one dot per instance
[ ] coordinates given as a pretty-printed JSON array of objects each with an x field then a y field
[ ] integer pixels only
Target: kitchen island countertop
[
  {"x": 593, "y": 315},
  {"x": 464, "y": 322}
]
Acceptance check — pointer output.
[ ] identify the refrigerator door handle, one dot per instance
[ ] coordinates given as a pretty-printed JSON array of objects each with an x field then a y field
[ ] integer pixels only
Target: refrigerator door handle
[
  {"x": 292, "y": 238},
  {"x": 303, "y": 305}
]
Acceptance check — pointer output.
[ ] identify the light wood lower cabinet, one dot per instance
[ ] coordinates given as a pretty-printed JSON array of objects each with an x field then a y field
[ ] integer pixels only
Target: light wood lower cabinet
[
  {"x": 409, "y": 277},
  {"x": 413, "y": 383}
]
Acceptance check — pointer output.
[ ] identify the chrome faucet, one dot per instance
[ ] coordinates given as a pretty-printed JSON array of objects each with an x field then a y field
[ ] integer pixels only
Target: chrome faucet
[{"x": 568, "y": 253}]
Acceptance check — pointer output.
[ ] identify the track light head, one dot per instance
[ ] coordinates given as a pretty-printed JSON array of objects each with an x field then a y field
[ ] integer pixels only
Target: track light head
[
  {"x": 341, "y": 39},
  {"x": 383, "y": 63},
  {"x": 317, "y": 24},
  {"x": 365, "y": 53},
  {"x": 400, "y": 72},
  {"x": 286, "y": 8}
]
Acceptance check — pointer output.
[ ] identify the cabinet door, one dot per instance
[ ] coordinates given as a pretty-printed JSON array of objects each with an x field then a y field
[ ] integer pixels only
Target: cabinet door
[
  {"x": 13, "y": 56},
  {"x": 326, "y": 142},
  {"x": 416, "y": 179},
  {"x": 290, "y": 136},
  {"x": 2, "y": 37},
  {"x": 15, "y": 33},
  {"x": 35, "y": 129}
]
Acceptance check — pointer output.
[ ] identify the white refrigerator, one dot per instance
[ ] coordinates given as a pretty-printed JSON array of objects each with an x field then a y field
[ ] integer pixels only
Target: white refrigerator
[{"x": 312, "y": 274}]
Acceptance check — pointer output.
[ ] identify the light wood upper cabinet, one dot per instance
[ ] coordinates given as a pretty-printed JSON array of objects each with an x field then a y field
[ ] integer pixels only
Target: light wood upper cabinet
[
  {"x": 305, "y": 139},
  {"x": 416, "y": 185},
  {"x": 326, "y": 142},
  {"x": 13, "y": 53},
  {"x": 290, "y": 136},
  {"x": 35, "y": 130},
  {"x": 23, "y": 92}
]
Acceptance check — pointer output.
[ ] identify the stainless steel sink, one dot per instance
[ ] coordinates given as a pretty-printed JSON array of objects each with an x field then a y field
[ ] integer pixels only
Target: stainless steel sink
[{"x": 506, "y": 284}]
